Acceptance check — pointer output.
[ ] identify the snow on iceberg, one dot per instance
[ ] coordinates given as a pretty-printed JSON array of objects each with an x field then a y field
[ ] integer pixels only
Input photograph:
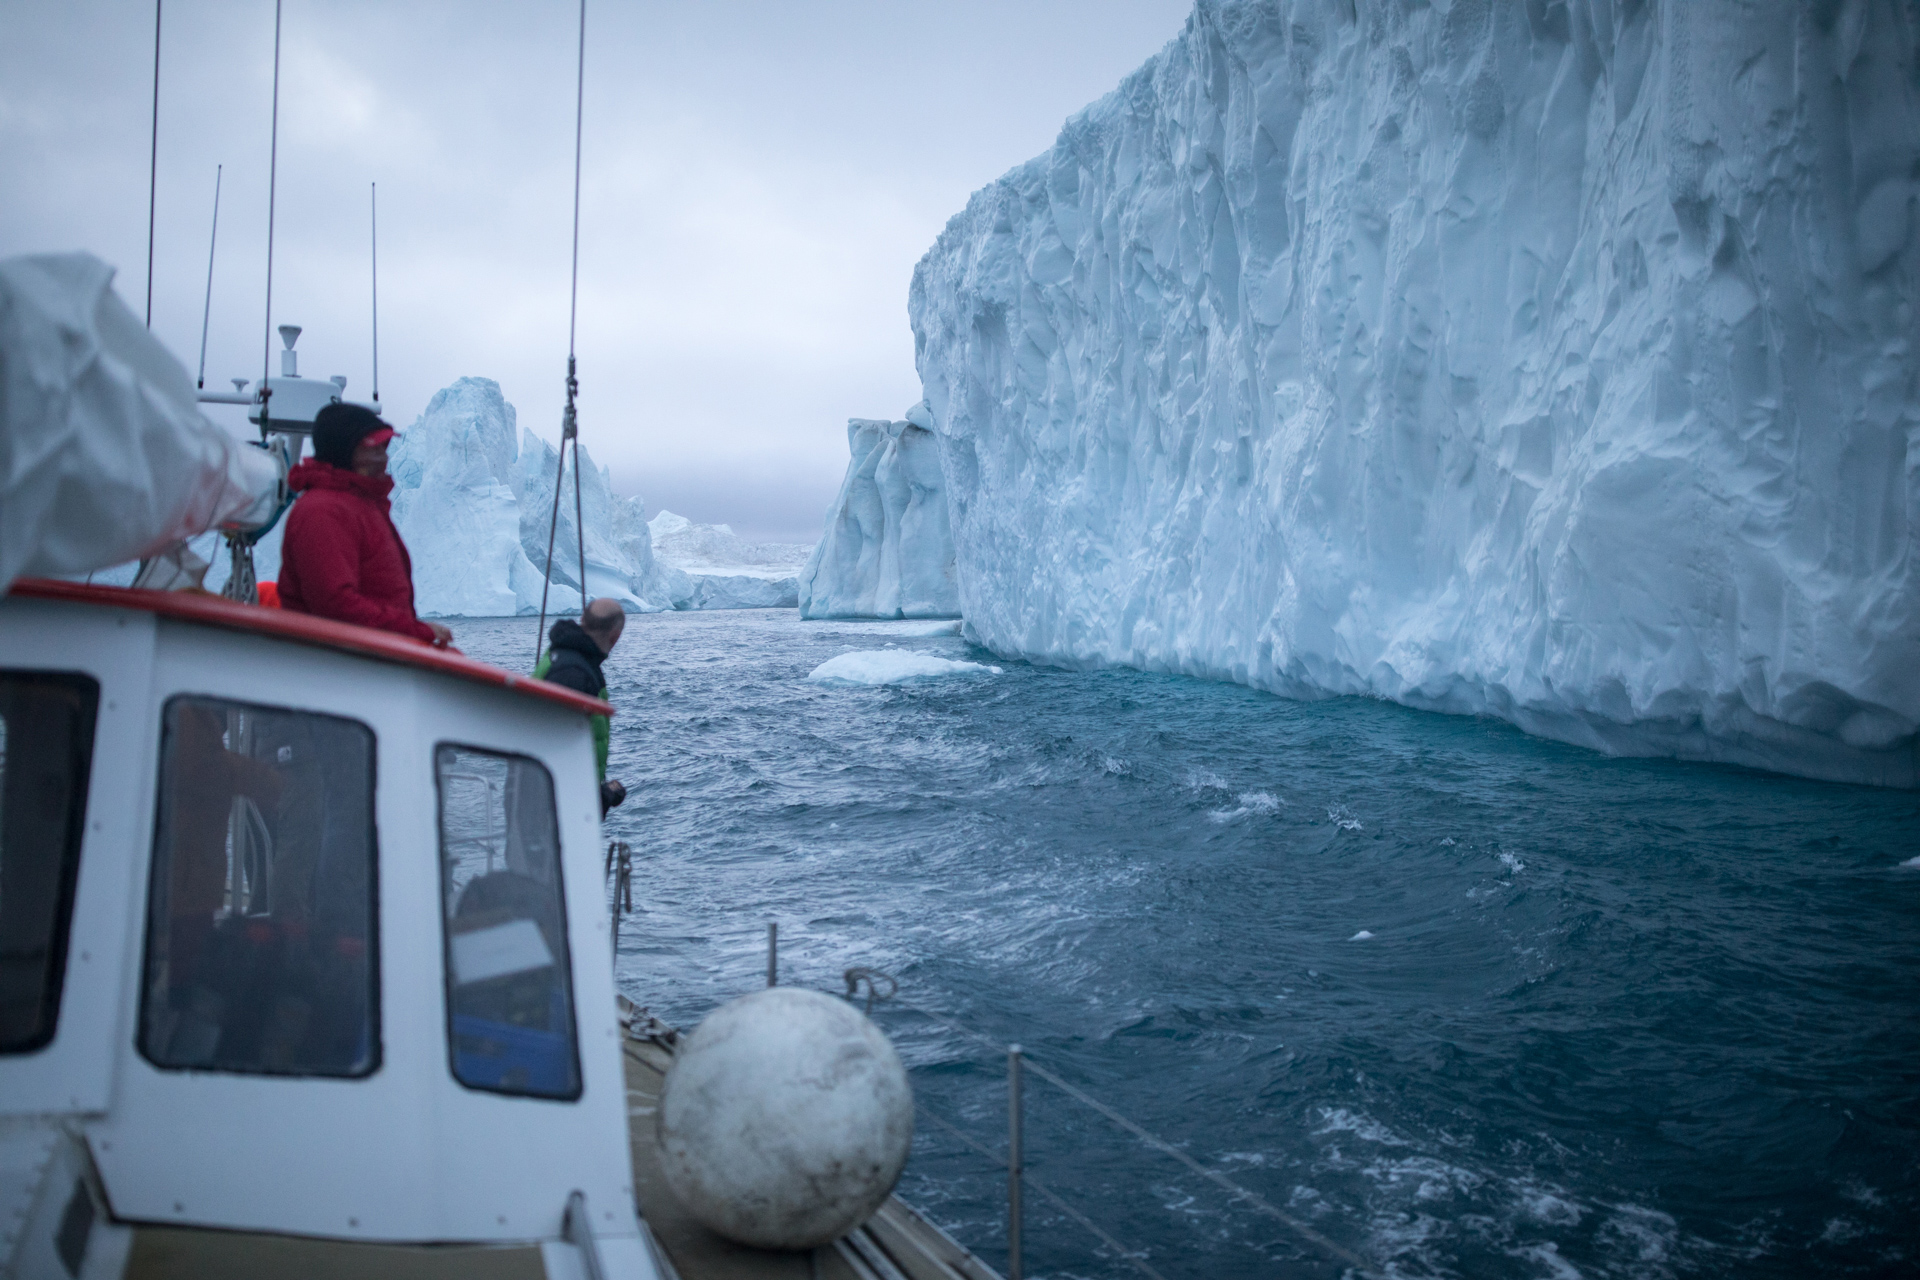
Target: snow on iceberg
[
  {"x": 712, "y": 567},
  {"x": 892, "y": 666},
  {"x": 888, "y": 548},
  {"x": 474, "y": 508},
  {"x": 1549, "y": 361}
]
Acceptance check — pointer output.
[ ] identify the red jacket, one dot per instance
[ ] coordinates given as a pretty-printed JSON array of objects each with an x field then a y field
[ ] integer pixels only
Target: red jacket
[{"x": 341, "y": 557}]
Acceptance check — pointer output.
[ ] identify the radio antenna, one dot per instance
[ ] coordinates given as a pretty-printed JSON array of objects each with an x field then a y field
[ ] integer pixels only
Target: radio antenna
[
  {"x": 206, "y": 313},
  {"x": 273, "y": 172},
  {"x": 153, "y": 161},
  {"x": 373, "y": 223}
]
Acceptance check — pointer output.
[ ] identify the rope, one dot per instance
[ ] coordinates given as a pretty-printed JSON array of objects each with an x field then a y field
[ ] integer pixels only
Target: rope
[
  {"x": 569, "y": 420},
  {"x": 571, "y": 426},
  {"x": 1252, "y": 1199},
  {"x": 553, "y": 527},
  {"x": 1029, "y": 1180},
  {"x": 153, "y": 161},
  {"x": 273, "y": 173}
]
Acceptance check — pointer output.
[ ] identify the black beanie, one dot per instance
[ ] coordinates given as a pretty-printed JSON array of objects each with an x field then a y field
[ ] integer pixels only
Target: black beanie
[{"x": 339, "y": 427}]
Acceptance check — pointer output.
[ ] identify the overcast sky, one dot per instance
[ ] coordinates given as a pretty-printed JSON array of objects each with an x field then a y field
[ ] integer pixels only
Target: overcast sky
[{"x": 760, "y": 179}]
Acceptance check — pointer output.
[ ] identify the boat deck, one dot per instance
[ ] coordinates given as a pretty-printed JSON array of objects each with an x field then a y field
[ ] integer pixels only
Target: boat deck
[{"x": 896, "y": 1244}]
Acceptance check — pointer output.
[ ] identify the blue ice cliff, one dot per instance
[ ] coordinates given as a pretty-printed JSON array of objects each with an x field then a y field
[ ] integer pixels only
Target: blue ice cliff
[{"x": 1552, "y": 360}]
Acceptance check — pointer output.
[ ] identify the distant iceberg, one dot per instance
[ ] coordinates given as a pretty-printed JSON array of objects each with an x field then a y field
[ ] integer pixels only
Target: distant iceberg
[
  {"x": 708, "y": 566},
  {"x": 887, "y": 551},
  {"x": 1556, "y": 362},
  {"x": 475, "y": 507}
]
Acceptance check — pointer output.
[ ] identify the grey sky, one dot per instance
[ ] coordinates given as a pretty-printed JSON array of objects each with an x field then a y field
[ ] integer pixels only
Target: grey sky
[{"x": 760, "y": 179}]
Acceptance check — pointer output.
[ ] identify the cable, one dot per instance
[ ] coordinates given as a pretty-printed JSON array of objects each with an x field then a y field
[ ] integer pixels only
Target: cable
[
  {"x": 273, "y": 173},
  {"x": 206, "y": 315},
  {"x": 153, "y": 161},
  {"x": 373, "y": 224}
]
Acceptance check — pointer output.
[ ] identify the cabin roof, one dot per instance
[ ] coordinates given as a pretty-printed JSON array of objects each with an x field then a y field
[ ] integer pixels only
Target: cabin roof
[{"x": 304, "y": 628}]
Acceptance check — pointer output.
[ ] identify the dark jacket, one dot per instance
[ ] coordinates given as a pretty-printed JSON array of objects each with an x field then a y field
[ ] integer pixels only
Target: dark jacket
[
  {"x": 341, "y": 557},
  {"x": 573, "y": 662}
]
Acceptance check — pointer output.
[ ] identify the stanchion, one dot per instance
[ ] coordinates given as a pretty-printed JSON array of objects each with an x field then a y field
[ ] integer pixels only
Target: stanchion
[{"x": 1013, "y": 1163}]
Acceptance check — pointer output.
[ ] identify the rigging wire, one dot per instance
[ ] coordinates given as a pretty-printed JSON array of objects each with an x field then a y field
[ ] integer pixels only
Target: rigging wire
[
  {"x": 153, "y": 161},
  {"x": 273, "y": 171},
  {"x": 569, "y": 421},
  {"x": 206, "y": 314},
  {"x": 373, "y": 223}
]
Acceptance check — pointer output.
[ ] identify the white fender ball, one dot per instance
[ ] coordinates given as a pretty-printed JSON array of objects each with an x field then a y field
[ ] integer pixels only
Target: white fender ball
[{"x": 785, "y": 1119}]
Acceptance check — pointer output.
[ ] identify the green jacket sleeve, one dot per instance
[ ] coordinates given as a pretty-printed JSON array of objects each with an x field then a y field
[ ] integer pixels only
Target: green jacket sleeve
[{"x": 602, "y": 730}]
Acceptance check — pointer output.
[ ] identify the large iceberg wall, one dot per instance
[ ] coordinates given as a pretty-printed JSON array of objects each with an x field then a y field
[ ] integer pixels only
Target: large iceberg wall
[
  {"x": 1553, "y": 360},
  {"x": 888, "y": 547},
  {"x": 475, "y": 507}
]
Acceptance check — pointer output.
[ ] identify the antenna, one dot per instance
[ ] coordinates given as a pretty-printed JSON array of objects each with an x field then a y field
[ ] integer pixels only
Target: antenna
[
  {"x": 206, "y": 313},
  {"x": 273, "y": 172},
  {"x": 153, "y": 161},
  {"x": 373, "y": 223}
]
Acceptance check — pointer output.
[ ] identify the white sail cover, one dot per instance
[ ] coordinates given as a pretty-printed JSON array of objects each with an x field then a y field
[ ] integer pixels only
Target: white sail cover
[{"x": 104, "y": 453}]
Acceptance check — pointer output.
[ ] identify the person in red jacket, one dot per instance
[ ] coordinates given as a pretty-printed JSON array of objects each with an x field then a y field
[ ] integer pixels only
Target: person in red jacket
[{"x": 341, "y": 557}]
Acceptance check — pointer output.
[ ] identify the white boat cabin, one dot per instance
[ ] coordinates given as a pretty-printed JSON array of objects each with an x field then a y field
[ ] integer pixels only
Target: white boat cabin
[{"x": 304, "y": 954}]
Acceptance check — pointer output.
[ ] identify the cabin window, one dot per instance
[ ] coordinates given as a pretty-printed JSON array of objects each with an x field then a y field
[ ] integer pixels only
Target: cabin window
[
  {"x": 262, "y": 955},
  {"x": 509, "y": 984},
  {"x": 46, "y": 751}
]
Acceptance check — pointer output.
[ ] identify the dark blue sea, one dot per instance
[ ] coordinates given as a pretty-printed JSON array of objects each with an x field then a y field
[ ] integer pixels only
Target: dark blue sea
[{"x": 1460, "y": 1001}]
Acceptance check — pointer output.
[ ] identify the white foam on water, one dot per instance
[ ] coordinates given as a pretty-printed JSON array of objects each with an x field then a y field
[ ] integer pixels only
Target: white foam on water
[
  {"x": 1361, "y": 936},
  {"x": 1342, "y": 817},
  {"x": 891, "y": 666},
  {"x": 1512, "y": 863},
  {"x": 1252, "y": 803},
  {"x": 1366, "y": 1128},
  {"x": 1548, "y": 1255},
  {"x": 1911, "y": 862}
]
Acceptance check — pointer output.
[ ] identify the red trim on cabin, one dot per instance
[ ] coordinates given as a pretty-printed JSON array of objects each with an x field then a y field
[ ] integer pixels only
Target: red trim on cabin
[{"x": 304, "y": 628}]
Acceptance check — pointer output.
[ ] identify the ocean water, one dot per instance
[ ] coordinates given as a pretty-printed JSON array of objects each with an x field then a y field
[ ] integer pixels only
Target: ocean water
[{"x": 1463, "y": 1002}]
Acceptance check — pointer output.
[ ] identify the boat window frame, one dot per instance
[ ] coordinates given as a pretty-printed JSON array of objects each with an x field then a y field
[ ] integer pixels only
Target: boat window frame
[
  {"x": 376, "y": 976},
  {"x": 564, "y": 961},
  {"x": 60, "y": 938}
]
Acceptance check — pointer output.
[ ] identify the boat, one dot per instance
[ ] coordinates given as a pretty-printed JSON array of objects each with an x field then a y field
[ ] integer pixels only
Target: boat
[{"x": 306, "y": 957}]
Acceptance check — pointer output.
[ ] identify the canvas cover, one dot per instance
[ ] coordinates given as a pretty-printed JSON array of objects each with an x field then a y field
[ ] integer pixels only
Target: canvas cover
[{"x": 104, "y": 454}]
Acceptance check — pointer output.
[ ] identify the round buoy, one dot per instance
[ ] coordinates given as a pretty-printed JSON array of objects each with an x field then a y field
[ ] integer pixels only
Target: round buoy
[{"x": 785, "y": 1119}]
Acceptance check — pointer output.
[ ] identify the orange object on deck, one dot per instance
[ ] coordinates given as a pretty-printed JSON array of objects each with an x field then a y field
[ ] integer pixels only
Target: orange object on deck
[{"x": 269, "y": 594}]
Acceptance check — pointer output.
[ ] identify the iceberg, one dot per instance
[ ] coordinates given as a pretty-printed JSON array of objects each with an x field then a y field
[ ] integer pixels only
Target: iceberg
[
  {"x": 1547, "y": 361},
  {"x": 475, "y": 507},
  {"x": 892, "y": 666},
  {"x": 711, "y": 567},
  {"x": 888, "y": 547}
]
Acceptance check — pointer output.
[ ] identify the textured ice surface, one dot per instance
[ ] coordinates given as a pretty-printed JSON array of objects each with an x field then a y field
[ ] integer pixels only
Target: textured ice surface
[
  {"x": 475, "y": 510},
  {"x": 892, "y": 666},
  {"x": 888, "y": 550},
  {"x": 1550, "y": 360},
  {"x": 711, "y": 567}
]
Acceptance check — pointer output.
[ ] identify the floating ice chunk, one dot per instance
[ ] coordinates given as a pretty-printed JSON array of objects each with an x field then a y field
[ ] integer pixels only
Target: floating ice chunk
[
  {"x": 1361, "y": 936},
  {"x": 892, "y": 666}
]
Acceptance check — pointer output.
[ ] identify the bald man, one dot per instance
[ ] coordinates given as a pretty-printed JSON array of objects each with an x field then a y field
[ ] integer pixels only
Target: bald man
[{"x": 573, "y": 661}]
